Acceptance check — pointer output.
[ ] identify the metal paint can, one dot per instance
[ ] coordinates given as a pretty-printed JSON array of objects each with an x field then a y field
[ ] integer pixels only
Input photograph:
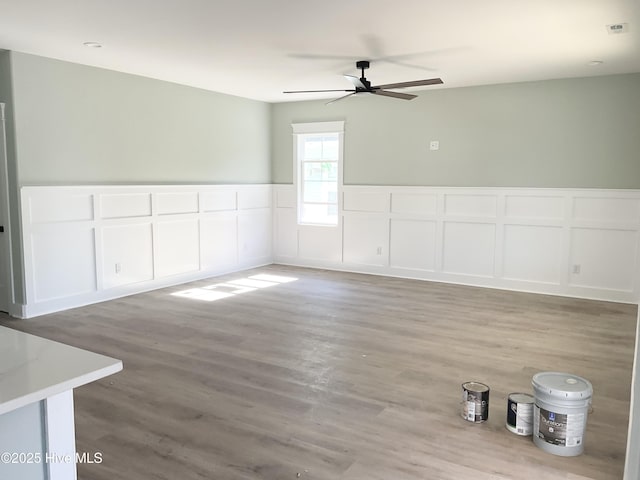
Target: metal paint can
[
  {"x": 520, "y": 413},
  {"x": 562, "y": 403},
  {"x": 475, "y": 402}
]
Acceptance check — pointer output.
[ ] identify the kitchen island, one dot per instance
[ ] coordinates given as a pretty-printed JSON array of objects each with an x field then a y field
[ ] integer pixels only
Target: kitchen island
[{"x": 37, "y": 378}]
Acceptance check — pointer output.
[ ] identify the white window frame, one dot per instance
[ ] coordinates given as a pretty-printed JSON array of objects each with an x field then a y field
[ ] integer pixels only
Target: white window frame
[{"x": 316, "y": 128}]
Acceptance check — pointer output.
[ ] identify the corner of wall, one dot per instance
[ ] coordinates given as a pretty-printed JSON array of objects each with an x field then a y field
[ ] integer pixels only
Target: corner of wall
[
  {"x": 271, "y": 133},
  {"x": 7, "y": 96}
]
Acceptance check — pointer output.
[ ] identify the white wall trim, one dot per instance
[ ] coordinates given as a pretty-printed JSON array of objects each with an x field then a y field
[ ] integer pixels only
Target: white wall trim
[
  {"x": 86, "y": 244},
  {"x": 523, "y": 239},
  {"x": 17, "y": 310},
  {"x": 520, "y": 239},
  {"x": 318, "y": 127}
]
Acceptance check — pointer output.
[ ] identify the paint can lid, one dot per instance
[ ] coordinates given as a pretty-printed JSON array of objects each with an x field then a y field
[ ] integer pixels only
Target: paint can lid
[
  {"x": 562, "y": 385},
  {"x": 521, "y": 397},
  {"x": 475, "y": 387}
]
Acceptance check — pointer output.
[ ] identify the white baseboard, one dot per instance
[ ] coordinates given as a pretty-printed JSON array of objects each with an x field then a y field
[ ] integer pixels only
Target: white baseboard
[
  {"x": 66, "y": 303},
  {"x": 17, "y": 310}
]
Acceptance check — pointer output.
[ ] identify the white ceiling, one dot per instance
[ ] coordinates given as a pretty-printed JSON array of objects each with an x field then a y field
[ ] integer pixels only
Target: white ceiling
[{"x": 258, "y": 48}]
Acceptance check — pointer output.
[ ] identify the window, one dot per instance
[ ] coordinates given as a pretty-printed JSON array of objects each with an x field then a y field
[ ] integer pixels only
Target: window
[
  {"x": 318, "y": 159},
  {"x": 319, "y": 179}
]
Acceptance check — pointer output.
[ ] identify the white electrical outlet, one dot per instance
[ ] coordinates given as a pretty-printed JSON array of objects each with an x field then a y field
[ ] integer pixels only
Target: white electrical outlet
[
  {"x": 379, "y": 251},
  {"x": 576, "y": 269},
  {"x": 118, "y": 268},
  {"x": 434, "y": 145}
]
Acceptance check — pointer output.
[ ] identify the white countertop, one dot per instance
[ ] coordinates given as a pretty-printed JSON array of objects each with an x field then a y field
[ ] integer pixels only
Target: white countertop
[{"x": 33, "y": 368}]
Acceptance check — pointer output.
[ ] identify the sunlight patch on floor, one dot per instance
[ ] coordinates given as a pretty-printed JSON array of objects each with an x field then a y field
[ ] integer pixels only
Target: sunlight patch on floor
[{"x": 218, "y": 291}]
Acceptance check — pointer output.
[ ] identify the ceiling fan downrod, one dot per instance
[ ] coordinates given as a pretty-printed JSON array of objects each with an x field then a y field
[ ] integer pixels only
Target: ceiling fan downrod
[{"x": 364, "y": 65}]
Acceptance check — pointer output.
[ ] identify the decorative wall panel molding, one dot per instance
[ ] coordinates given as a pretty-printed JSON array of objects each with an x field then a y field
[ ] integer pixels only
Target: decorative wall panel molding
[
  {"x": 532, "y": 253},
  {"x": 469, "y": 248},
  {"x": 574, "y": 242},
  {"x": 84, "y": 244},
  {"x": 468, "y": 205},
  {"x": 412, "y": 244},
  {"x": 125, "y": 205}
]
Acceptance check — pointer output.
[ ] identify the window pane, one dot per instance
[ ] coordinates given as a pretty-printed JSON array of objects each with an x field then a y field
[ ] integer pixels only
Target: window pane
[
  {"x": 326, "y": 192},
  {"x": 322, "y": 214},
  {"x": 312, "y": 171},
  {"x": 330, "y": 170},
  {"x": 330, "y": 148},
  {"x": 318, "y": 157},
  {"x": 312, "y": 149},
  {"x": 320, "y": 171}
]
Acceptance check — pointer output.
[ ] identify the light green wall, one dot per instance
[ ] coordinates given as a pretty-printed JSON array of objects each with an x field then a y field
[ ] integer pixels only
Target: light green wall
[
  {"x": 559, "y": 133},
  {"x": 78, "y": 124}
]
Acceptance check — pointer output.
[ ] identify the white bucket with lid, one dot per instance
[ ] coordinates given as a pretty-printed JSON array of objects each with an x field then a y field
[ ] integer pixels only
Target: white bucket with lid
[{"x": 562, "y": 403}]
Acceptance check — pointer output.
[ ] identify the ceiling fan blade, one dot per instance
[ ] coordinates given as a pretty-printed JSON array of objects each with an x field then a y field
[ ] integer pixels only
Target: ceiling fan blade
[
  {"x": 415, "y": 83},
  {"x": 357, "y": 83},
  {"x": 403, "y": 96},
  {"x": 340, "y": 98},
  {"x": 317, "y": 91}
]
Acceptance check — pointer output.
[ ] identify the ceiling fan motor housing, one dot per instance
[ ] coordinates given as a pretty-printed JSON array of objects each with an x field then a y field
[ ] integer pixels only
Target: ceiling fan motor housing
[{"x": 363, "y": 65}]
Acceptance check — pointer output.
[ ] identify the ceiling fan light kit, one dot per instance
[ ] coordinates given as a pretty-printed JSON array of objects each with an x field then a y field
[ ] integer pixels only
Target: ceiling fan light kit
[{"x": 362, "y": 85}]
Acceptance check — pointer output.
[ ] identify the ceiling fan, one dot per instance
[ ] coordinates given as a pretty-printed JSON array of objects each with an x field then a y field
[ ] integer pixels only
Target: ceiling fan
[{"x": 362, "y": 85}]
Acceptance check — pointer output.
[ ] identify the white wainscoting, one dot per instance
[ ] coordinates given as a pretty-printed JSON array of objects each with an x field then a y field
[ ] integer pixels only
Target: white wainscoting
[
  {"x": 574, "y": 242},
  {"x": 84, "y": 244}
]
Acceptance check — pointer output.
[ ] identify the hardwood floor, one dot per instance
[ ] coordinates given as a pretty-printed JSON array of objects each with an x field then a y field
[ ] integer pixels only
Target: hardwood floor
[{"x": 339, "y": 376}]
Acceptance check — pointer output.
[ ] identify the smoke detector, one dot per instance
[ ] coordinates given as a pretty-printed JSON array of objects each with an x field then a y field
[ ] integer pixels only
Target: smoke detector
[{"x": 616, "y": 28}]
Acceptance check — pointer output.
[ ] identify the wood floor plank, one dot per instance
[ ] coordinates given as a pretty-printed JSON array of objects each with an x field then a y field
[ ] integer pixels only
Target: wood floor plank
[{"x": 339, "y": 376}]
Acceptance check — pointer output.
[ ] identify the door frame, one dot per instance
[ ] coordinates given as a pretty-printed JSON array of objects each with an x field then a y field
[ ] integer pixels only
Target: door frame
[{"x": 4, "y": 213}]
